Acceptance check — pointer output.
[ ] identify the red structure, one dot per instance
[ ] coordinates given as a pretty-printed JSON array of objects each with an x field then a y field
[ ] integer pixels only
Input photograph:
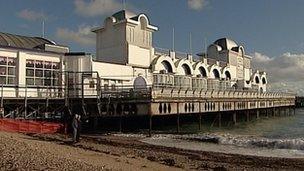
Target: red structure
[{"x": 29, "y": 126}]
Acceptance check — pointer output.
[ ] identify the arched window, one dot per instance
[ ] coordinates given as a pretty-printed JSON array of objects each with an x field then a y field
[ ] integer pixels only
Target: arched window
[
  {"x": 143, "y": 22},
  {"x": 187, "y": 69},
  {"x": 216, "y": 73},
  {"x": 264, "y": 80},
  {"x": 140, "y": 83},
  {"x": 203, "y": 71},
  {"x": 167, "y": 66},
  {"x": 227, "y": 74},
  {"x": 257, "y": 80}
]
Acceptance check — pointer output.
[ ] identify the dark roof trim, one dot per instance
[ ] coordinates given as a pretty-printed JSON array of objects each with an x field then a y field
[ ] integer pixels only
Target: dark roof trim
[
  {"x": 76, "y": 54},
  {"x": 30, "y": 50}
]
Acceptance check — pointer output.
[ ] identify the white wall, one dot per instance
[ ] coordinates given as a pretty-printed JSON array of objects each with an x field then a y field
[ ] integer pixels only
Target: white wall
[{"x": 139, "y": 56}]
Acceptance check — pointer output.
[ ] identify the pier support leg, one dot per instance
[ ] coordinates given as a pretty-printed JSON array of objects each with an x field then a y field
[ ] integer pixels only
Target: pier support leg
[
  {"x": 200, "y": 121},
  {"x": 150, "y": 125},
  {"x": 95, "y": 122},
  {"x": 267, "y": 113},
  {"x": 219, "y": 120},
  {"x": 280, "y": 111},
  {"x": 234, "y": 118},
  {"x": 120, "y": 123},
  {"x": 177, "y": 124},
  {"x": 258, "y": 114},
  {"x": 294, "y": 110},
  {"x": 247, "y": 116}
]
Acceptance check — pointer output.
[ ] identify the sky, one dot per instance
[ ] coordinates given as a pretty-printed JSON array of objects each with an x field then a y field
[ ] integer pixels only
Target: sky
[{"x": 270, "y": 30}]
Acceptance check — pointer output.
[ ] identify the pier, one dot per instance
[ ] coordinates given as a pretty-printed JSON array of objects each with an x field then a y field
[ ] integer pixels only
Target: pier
[{"x": 92, "y": 101}]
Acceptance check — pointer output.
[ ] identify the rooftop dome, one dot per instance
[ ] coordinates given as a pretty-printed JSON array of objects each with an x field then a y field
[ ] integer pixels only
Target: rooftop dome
[
  {"x": 226, "y": 44},
  {"x": 18, "y": 41}
]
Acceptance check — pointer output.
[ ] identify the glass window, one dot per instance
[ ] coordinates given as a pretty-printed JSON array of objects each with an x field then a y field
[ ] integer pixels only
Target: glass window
[
  {"x": 91, "y": 84},
  {"x": 30, "y": 72},
  {"x": 11, "y": 71},
  {"x": 2, "y": 70},
  {"x": 2, "y": 60},
  {"x": 39, "y": 64},
  {"x": 55, "y": 65},
  {"x": 30, "y": 81},
  {"x": 44, "y": 73},
  {"x": 38, "y": 81},
  {"x": 47, "y": 82},
  {"x": 2, "y": 80},
  {"x": 38, "y": 73},
  {"x": 29, "y": 63},
  {"x": 11, "y": 61},
  {"x": 48, "y": 65},
  {"x": 47, "y": 73},
  {"x": 55, "y": 82},
  {"x": 11, "y": 80},
  {"x": 55, "y": 74}
]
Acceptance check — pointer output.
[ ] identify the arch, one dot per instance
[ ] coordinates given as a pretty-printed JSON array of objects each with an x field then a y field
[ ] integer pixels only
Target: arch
[
  {"x": 264, "y": 81},
  {"x": 202, "y": 71},
  {"x": 184, "y": 67},
  {"x": 163, "y": 63},
  {"x": 227, "y": 75},
  {"x": 187, "y": 70},
  {"x": 140, "y": 83},
  {"x": 241, "y": 51},
  {"x": 216, "y": 73},
  {"x": 167, "y": 66},
  {"x": 257, "y": 80}
]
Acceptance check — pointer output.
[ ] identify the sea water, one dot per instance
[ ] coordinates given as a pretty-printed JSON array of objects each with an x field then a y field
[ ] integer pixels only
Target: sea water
[{"x": 272, "y": 137}]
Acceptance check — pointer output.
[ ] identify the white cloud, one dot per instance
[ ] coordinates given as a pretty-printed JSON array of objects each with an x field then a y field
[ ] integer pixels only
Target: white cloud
[
  {"x": 96, "y": 7},
  {"x": 82, "y": 36},
  {"x": 31, "y": 15},
  {"x": 197, "y": 4},
  {"x": 284, "y": 72}
]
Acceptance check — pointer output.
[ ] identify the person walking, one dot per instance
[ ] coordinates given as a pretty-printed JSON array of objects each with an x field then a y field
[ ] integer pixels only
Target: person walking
[{"x": 76, "y": 128}]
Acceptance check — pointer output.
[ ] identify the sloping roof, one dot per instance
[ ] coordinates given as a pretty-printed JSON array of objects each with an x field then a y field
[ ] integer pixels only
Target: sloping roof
[
  {"x": 26, "y": 42},
  {"x": 123, "y": 14}
]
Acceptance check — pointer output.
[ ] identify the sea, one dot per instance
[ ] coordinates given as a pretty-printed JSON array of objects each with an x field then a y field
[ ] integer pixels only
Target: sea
[{"x": 270, "y": 137}]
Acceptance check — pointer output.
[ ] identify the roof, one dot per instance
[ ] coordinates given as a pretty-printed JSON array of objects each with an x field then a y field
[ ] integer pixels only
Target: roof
[
  {"x": 226, "y": 44},
  {"x": 123, "y": 14},
  {"x": 26, "y": 42}
]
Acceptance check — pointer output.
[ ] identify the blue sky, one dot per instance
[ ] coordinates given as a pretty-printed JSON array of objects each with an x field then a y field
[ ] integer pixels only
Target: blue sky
[
  {"x": 271, "y": 27},
  {"x": 271, "y": 30}
]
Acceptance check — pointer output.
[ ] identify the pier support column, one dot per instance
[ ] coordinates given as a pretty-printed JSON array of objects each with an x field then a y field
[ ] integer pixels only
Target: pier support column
[
  {"x": 120, "y": 123},
  {"x": 258, "y": 114},
  {"x": 294, "y": 110},
  {"x": 234, "y": 118},
  {"x": 121, "y": 118},
  {"x": 247, "y": 116},
  {"x": 267, "y": 113},
  {"x": 200, "y": 121},
  {"x": 280, "y": 111},
  {"x": 177, "y": 124},
  {"x": 219, "y": 119},
  {"x": 95, "y": 122},
  {"x": 150, "y": 125}
]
